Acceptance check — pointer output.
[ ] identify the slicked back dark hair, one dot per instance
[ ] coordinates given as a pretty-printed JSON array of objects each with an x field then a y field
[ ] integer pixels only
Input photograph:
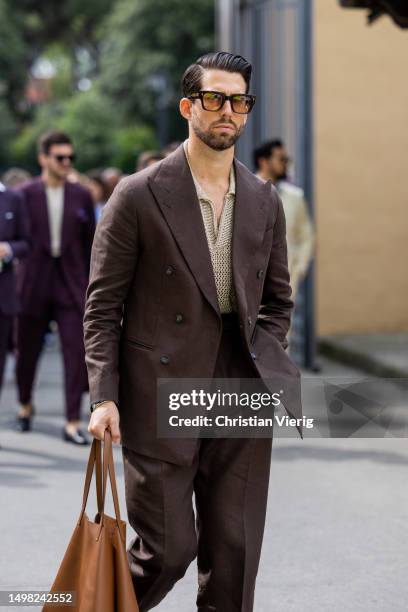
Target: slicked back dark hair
[
  {"x": 46, "y": 141},
  {"x": 265, "y": 150},
  {"x": 191, "y": 80}
]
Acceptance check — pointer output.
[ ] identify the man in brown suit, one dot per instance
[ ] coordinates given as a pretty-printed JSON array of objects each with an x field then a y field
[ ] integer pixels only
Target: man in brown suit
[{"x": 189, "y": 279}]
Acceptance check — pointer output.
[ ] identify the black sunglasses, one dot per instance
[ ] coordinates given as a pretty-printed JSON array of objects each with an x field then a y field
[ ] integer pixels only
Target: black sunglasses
[
  {"x": 61, "y": 158},
  {"x": 285, "y": 159},
  {"x": 214, "y": 101}
]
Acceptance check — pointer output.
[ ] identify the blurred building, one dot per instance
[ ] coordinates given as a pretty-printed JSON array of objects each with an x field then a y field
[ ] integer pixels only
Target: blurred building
[
  {"x": 333, "y": 87},
  {"x": 361, "y": 159}
]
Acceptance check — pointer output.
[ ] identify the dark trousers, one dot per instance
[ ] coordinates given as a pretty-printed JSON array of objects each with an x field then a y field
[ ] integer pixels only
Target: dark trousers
[
  {"x": 5, "y": 329},
  {"x": 229, "y": 478},
  {"x": 30, "y": 340}
]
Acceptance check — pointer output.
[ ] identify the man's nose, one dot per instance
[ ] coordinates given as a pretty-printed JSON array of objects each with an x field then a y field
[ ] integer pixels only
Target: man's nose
[{"x": 227, "y": 108}]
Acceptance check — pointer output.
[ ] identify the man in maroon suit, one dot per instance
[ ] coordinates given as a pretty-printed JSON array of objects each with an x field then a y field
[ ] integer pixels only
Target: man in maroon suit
[
  {"x": 55, "y": 277},
  {"x": 14, "y": 244}
]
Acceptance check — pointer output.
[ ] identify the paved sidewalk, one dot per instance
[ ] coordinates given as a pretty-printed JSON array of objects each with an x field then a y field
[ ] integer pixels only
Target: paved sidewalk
[
  {"x": 384, "y": 355},
  {"x": 336, "y": 536}
]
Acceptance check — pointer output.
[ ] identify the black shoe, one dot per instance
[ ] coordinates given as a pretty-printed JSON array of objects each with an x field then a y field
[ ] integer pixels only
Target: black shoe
[
  {"x": 24, "y": 423},
  {"x": 75, "y": 438}
]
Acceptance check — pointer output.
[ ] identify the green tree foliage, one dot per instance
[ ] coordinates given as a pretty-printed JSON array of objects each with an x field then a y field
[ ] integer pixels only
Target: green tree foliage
[
  {"x": 7, "y": 131},
  {"x": 132, "y": 54},
  {"x": 29, "y": 27},
  {"x": 90, "y": 120},
  {"x": 73, "y": 23},
  {"x": 13, "y": 64},
  {"x": 141, "y": 39},
  {"x": 12, "y": 76},
  {"x": 129, "y": 142},
  {"x": 99, "y": 139}
]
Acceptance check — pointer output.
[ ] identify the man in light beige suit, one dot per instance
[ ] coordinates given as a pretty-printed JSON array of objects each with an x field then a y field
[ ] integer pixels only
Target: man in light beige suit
[{"x": 271, "y": 161}]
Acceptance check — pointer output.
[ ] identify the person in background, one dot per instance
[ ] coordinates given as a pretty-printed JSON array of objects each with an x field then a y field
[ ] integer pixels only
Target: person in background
[
  {"x": 170, "y": 148},
  {"x": 14, "y": 177},
  {"x": 271, "y": 161},
  {"x": 74, "y": 176},
  {"x": 14, "y": 245},
  {"x": 54, "y": 278},
  {"x": 148, "y": 158},
  {"x": 111, "y": 177},
  {"x": 96, "y": 185}
]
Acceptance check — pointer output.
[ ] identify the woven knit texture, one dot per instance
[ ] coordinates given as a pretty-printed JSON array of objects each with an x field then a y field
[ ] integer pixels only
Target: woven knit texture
[{"x": 219, "y": 238}]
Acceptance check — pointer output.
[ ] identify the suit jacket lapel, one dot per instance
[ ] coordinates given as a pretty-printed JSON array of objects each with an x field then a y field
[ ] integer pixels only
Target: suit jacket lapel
[
  {"x": 42, "y": 214},
  {"x": 249, "y": 226},
  {"x": 174, "y": 190},
  {"x": 65, "y": 216}
]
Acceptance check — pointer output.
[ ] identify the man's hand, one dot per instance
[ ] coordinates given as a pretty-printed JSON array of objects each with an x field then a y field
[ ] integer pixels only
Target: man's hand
[
  {"x": 105, "y": 416},
  {"x": 4, "y": 250}
]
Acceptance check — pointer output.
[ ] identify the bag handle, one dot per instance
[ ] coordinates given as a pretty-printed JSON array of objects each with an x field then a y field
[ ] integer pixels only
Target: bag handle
[
  {"x": 108, "y": 466},
  {"x": 98, "y": 477},
  {"x": 94, "y": 459}
]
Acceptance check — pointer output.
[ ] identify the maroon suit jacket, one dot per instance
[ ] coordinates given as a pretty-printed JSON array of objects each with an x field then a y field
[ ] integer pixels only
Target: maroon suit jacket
[
  {"x": 150, "y": 262},
  {"x": 78, "y": 228},
  {"x": 14, "y": 229}
]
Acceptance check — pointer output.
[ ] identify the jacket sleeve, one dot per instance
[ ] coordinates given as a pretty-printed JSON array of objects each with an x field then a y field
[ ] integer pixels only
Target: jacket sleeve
[
  {"x": 113, "y": 262},
  {"x": 20, "y": 245},
  {"x": 276, "y": 305}
]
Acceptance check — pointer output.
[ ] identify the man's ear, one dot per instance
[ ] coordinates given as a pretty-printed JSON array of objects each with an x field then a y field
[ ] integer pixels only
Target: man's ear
[
  {"x": 263, "y": 163},
  {"x": 185, "y": 108},
  {"x": 42, "y": 159}
]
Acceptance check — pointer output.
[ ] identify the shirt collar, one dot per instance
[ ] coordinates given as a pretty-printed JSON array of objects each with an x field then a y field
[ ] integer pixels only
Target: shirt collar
[{"x": 200, "y": 192}]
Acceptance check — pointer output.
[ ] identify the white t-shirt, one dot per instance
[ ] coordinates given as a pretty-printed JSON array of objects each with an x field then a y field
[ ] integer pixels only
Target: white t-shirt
[{"x": 55, "y": 204}]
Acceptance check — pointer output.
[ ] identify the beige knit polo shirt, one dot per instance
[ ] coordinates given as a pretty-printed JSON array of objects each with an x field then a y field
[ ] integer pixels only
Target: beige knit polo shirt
[{"x": 219, "y": 238}]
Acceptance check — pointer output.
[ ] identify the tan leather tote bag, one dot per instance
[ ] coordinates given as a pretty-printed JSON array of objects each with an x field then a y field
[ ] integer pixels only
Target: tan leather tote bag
[{"x": 95, "y": 566}]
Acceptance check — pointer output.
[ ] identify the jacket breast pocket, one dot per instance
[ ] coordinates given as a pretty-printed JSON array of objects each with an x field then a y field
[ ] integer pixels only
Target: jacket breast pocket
[{"x": 133, "y": 342}]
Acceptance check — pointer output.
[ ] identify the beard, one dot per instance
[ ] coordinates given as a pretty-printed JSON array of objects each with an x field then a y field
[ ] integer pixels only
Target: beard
[
  {"x": 219, "y": 141},
  {"x": 58, "y": 174}
]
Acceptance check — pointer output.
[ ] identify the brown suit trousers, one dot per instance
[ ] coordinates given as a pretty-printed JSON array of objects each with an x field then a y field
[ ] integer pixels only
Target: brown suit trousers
[{"x": 229, "y": 478}]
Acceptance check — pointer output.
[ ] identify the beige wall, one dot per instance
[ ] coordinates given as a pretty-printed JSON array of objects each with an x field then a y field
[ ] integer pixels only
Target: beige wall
[{"x": 361, "y": 163}]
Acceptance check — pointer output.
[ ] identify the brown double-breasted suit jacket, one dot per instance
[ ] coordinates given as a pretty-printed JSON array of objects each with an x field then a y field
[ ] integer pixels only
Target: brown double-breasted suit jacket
[{"x": 152, "y": 309}]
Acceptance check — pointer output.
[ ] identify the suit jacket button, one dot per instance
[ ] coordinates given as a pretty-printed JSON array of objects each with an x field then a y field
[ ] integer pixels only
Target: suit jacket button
[
  {"x": 169, "y": 270},
  {"x": 249, "y": 321},
  {"x": 260, "y": 273},
  {"x": 253, "y": 355},
  {"x": 179, "y": 318},
  {"x": 164, "y": 359}
]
